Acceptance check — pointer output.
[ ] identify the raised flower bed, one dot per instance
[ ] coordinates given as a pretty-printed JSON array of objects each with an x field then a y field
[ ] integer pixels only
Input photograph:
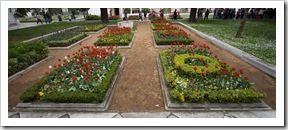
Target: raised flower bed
[
  {"x": 83, "y": 78},
  {"x": 114, "y": 17},
  {"x": 133, "y": 17},
  {"x": 93, "y": 28},
  {"x": 23, "y": 55},
  {"x": 161, "y": 23},
  {"x": 115, "y": 36},
  {"x": 167, "y": 35},
  {"x": 64, "y": 39},
  {"x": 192, "y": 74}
]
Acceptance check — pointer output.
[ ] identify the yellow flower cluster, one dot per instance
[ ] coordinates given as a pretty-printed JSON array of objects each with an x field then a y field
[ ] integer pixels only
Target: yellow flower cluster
[
  {"x": 182, "y": 99},
  {"x": 41, "y": 93}
]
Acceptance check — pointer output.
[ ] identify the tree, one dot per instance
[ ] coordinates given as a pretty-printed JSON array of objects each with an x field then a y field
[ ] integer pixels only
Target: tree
[
  {"x": 21, "y": 12},
  {"x": 55, "y": 11},
  {"x": 84, "y": 11},
  {"x": 104, "y": 15},
  {"x": 242, "y": 24},
  {"x": 145, "y": 10},
  {"x": 127, "y": 10},
  {"x": 192, "y": 17}
]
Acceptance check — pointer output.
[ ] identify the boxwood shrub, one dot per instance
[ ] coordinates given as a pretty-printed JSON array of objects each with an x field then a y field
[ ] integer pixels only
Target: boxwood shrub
[
  {"x": 92, "y": 17},
  {"x": 23, "y": 55},
  {"x": 67, "y": 42}
]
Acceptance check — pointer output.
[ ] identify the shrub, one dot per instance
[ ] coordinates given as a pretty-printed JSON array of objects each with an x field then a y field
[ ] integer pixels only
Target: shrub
[
  {"x": 66, "y": 42},
  {"x": 22, "y": 55},
  {"x": 92, "y": 17},
  {"x": 92, "y": 28}
]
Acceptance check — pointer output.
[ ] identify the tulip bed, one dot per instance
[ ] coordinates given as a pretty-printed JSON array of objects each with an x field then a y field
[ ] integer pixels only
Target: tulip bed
[
  {"x": 133, "y": 17},
  {"x": 63, "y": 39},
  {"x": 194, "y": 75},
  {"x": 115, "y": 36},
  {"x": 166, "y": 34},
  {"x": 83, "y": 77}
]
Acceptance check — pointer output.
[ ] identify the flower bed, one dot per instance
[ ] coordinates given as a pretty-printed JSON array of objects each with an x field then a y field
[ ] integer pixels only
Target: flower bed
[
  {"x": 64, "y": 39},
  {"x": 114, "y": 17},
  {"x": 84, "y": 78},
  {"x": 133, "y": 17},
  {"x": 177, "y": 17},
  {"x": 194, "y": 75},
  {"x": 167, "y": 35},
  {"x": 23, "y": 55},
  {"x": 92, "y": 28},
  {"x": 115, "y": 36}
]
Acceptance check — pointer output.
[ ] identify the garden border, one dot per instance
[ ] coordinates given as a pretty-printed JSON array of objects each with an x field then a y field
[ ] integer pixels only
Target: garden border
[
  {"x": 20, "y": 73},
  {"x": 46, "y": 35},
  {"x": 125, "y": 47},
  {"x": 97, "y": 31},
  {"x": 256, "y": 62},
  {"x": 200, "y": 106},
  {"x": 75, "y": 106},
  {"x": 66, "y": 48}
]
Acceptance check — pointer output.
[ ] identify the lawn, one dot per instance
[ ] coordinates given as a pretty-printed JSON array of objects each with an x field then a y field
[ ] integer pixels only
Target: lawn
[
  {"x": 20, "y": 35},
  {"x": 258, "y": 38}
]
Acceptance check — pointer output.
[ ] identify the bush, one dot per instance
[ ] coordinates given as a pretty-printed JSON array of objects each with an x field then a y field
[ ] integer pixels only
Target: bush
[
  {"x": 93, "y": 28},
  {"x": 92, "y": 17},
  {"x": 22, "y": 55},
  {"x": 67, "y": 42}
]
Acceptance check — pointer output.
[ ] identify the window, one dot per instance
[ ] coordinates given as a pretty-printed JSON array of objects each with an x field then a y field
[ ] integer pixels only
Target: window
[{"x": 135, "y": 10}]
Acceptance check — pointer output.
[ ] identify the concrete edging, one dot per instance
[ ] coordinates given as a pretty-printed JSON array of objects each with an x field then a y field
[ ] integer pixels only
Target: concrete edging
[
  {"x": 207, "y": 106},
  {"x": 256, "y": 62},
  {"x": 46, "y": 35},
  {"x": 66, "y": 48},
  {"x": 74, "y": 106},
  {"x": 20, "y": 73}
]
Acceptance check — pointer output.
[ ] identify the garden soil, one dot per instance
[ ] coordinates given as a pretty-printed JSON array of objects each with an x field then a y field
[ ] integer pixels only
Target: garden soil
[{"x": 138, "y": 85}]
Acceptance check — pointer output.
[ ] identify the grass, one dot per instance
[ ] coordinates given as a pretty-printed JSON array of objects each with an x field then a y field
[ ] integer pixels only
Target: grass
[
  {"x": 19, "y": 35},
  {"x": 258, "y": 37}
]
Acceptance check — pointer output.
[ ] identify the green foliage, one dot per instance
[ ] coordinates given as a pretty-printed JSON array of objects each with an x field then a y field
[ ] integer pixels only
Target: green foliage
[
  {"x": 65, "y": 42},
  {"x": 127, "y": 10},
  {"x": 93, "y": 28},
  {"x": 22, "y": 55},
  {"x": 92, "y": 17},
  {"x": 147, "y": 10},
  {"x": 188, "y": 69},
  {"x": 161, "y": 41},
  {"x": 235, "y": 96},
  {"x": 116, "y": 41},
  {"x": 78, "y": 96}
]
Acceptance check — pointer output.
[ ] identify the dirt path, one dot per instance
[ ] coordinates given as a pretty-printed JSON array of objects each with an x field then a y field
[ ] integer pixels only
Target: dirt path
[{"x": 138, "y": 87}]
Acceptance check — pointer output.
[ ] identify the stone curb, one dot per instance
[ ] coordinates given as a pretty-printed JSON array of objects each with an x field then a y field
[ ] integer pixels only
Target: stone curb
[
  {"x": 164, "y": 114},
  {"x": 46, "y": 35},
  {"x": 20, "y": 73},
  {"x": 67, "y": 48},
  {"x": 28, "y": 107},
  {"x": 256, "y": 62},
  {"x": 169, "y": 105}
]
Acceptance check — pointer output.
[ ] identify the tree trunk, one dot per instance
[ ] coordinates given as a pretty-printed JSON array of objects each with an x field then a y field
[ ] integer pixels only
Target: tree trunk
[
  {"x": 104, "y": 15},
  {"x": 242, "y": 24},
  {"x": 192, "y": 17}
]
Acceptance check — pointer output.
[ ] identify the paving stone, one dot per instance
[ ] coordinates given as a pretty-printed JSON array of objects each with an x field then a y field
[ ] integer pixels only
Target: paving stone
[
  {"x": 244, "y": 114},
  {"x": 41, "y": 114},
  {"x": 91, "y": 115},
  {"x": 146, "y": 115},
  {"x": 118, "y": 116},
  {"x": 13, "y": 115},
  {"x": 199, "y": 114},
  {"x": 264, "y": 114}
]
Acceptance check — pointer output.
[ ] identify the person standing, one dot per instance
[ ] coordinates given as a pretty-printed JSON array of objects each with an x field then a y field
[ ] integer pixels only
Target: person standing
[
  {"x": 161, "y": 14},
  {"x": 206, "y": 14},
  {"x": 59, "y": 17},
  {"x": 38, "y": 17},
  {"x": 175, "y": 14},
  {"x": 145, "y": 15},
  {"x": 140, "y": 15},
  {"x": 48, "y": 17},
  {"x": 125, "y": 16}
]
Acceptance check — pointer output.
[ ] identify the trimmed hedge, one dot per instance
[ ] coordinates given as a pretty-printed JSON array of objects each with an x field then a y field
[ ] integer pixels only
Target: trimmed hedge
[
  {"x": 171, "y": 41},
  {"x": 92, "y": 17},
  {"x": 188, "y": 69},
  {"x": 64, "y": 43},
  {"x": 93, "y": 28},
  {"x": 73, "y": 97},
  {"x": 23, "y": 55}
]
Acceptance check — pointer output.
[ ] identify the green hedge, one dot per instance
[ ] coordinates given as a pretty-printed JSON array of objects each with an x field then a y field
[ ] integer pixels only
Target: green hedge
[
  {"x": 73, "y": 97},
  {"x": 109, "y": 43},
  {"x": 93, "y": 28},
  {"x": 64, "y": 43},
  {"x": 188, "y": 69},
  {"x": 92, "y": 17},
  {"x": 170, "y": 41},
  {"x": 23, "y": 55}
]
